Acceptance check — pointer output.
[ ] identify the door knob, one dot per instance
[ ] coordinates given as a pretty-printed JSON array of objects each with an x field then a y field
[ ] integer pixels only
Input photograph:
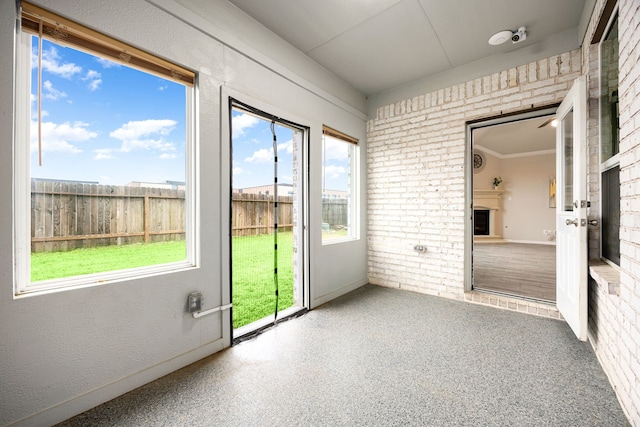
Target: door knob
[
  {"x": 574, "y": 222},
  {"x": 593, "y": 222}
]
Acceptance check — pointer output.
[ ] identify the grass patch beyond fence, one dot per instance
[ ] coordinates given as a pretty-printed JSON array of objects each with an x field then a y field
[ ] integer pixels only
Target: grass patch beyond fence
[{"x": 253, "y": 287}]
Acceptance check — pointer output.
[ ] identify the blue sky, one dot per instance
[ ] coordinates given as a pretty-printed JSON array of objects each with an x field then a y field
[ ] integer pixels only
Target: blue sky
[
  {"x": 252, "y": 151},
  {"x": 253, "y": 154},
  {"x": 109, "y": 123},
  {"x": 105, "y": 122}
]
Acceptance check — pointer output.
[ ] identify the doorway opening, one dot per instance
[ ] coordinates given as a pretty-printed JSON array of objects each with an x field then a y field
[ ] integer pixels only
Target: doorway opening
[
  {"x": 513, "y": 206},
  {"x": 267, "y": 219}
]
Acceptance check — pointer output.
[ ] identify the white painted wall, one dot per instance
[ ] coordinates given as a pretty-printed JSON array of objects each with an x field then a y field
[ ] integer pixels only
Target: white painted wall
[
  {"x": 525, "y": 199},
  {"x": 483, "y": 180},
  {"x": 65, "y": 352}
]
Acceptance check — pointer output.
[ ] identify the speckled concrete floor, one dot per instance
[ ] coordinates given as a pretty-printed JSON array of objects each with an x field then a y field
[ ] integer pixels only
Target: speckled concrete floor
[{"x": 380, "y": 356}]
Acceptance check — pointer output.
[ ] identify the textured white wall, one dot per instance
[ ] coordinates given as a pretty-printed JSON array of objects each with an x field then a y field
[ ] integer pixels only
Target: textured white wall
[{"x": 65, "y": 352}]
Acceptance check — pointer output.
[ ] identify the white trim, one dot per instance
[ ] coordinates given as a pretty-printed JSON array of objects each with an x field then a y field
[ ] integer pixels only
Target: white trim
[
  {"x": 22, "y": 190},
  {"x": 513, "y": 156},
  {"x": 303, "y": 257},
  {"x": 532, "y": 242},
  {"x": 614, "y": 160},
  {"x": 353, "y": 200},
  {"x": 468, "y": 179},
  {"x": 21, "y": 164}
]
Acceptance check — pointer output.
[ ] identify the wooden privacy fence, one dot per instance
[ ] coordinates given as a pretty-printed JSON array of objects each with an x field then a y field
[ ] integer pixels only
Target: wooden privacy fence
[
  {"x": 69, "y": 215},
  {"x": 252, "y": 214},
  {"x": 335, "y": 213}
]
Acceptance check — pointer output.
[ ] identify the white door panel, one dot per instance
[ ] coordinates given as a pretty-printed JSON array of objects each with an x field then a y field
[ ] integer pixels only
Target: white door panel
[{"x": 571, "y": 210}]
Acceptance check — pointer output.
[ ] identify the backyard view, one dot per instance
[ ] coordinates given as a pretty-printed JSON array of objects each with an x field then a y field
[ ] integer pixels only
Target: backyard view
[
  {"x": 109, "y": 188},
  {"x": 253, "y": 271}
]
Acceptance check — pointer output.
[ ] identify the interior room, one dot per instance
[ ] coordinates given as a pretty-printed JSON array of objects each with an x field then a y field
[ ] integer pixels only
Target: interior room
[
  {"x": 239, "y": 212},
  {"x": 514, "y": 221}
]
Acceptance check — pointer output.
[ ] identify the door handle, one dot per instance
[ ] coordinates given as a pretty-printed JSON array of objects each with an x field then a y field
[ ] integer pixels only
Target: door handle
[
  {"x": 574, "y": 222},
  {"x": 593, "y": 222}
]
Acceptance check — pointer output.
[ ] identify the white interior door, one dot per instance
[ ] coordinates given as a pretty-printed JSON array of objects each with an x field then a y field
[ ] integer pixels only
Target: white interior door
[{"x": 571, "y": 209}]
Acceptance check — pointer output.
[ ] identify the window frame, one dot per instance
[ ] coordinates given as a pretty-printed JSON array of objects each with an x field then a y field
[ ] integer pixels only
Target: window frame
[
  {"x": 22, "y": 173},
  {"x": 614, "y": 160},
  {"x": 353, "y": 200}
]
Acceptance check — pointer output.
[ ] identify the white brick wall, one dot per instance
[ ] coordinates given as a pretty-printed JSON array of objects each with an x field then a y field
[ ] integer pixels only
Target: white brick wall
[
  {"x": 415, "y": 165},
  {"x": 614, "y": 312}
]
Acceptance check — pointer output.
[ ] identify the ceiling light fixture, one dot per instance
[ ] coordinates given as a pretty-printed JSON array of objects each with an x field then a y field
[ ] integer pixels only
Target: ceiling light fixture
[
  {"x": 516, "y": 36},
  {"x": 501, "y": 37}
]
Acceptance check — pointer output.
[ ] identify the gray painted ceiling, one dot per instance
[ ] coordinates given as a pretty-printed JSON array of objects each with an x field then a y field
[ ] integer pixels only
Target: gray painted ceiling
[{"x": 376, "y": 45}]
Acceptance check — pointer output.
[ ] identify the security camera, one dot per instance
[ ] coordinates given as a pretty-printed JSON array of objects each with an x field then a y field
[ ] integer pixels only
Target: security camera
[{"x": 519, "y": 35}]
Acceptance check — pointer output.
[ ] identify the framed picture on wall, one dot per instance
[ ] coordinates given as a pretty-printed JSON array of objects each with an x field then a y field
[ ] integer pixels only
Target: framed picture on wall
[{"x": 552, "y": 191}]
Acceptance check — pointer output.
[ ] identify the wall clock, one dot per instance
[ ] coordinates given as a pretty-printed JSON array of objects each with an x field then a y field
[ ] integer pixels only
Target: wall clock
[{"x": 479, "y": 161}]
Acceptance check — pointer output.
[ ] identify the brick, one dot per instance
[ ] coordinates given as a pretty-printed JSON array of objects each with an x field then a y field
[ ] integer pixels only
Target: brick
[{"x": 417, "y": 146}]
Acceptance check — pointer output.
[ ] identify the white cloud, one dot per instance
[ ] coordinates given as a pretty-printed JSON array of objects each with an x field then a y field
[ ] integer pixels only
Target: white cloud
[
  {"x": 102, "y": 154},
  {"x": 241, "y": 123},
  {"x": 168, "y": 156},
  {"x": 335, "y": 149},
  {"x": 52, "y": 63},
  {"x": 136, "y": 129},
  {"x": 94, "y": 84},
  {"x": 94, "y": 78},
  {"x": 146, "y": 144},
  {"x": 261, "y": 156},
  {"x": 132, "y": 135},
  {"x": 286, "y": 146},
  {"x": 60, "y": 137},
  {"x": 238, "y": 171},
  {"x": 334, "y": 171},
  {"x": 92, "y": 74},
  {"x": 162, "y": 88},
  {"x": 52, "y": 93}
]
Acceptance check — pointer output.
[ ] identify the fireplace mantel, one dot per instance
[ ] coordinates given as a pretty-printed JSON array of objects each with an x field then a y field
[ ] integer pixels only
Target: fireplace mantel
[{"x": 487, "y": 199}]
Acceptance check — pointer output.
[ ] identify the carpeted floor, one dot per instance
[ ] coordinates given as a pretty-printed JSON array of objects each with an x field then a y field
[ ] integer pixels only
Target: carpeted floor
[{"x": 380, "y": 357}]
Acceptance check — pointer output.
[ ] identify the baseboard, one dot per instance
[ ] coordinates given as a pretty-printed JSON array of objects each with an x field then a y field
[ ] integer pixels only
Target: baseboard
[
  {"x": 338, "y": 293},
  {"x": 93, "y": 398},
  {"x": 533, "y": 242}
]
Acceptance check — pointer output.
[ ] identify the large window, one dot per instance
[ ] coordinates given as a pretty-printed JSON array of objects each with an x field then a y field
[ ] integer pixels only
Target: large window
[
  {"x": 339, "y": 186},
  {"x": 609, "y": 144},
  {"x": 104, "y": 158}
]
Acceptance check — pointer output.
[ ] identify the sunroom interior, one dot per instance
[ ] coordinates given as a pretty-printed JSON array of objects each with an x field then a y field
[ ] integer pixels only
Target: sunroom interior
[{"x": 372, "y": 114}]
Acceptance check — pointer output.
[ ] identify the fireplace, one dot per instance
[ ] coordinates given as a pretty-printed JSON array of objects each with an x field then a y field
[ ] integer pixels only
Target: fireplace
[
  {"x": 481, "y": 226},
  {"x": 487, "y": 216}
]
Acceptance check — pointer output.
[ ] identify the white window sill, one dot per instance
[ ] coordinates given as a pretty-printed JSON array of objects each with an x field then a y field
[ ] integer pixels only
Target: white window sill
[{"x": 605, "y": 275}]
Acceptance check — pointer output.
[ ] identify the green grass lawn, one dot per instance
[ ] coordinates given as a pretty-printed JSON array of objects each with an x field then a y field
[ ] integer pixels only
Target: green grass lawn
[
  {"x": 55, "y": 265},
  {"x": 252, "y": 277},
  {"x": 253, "y": 287}
]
